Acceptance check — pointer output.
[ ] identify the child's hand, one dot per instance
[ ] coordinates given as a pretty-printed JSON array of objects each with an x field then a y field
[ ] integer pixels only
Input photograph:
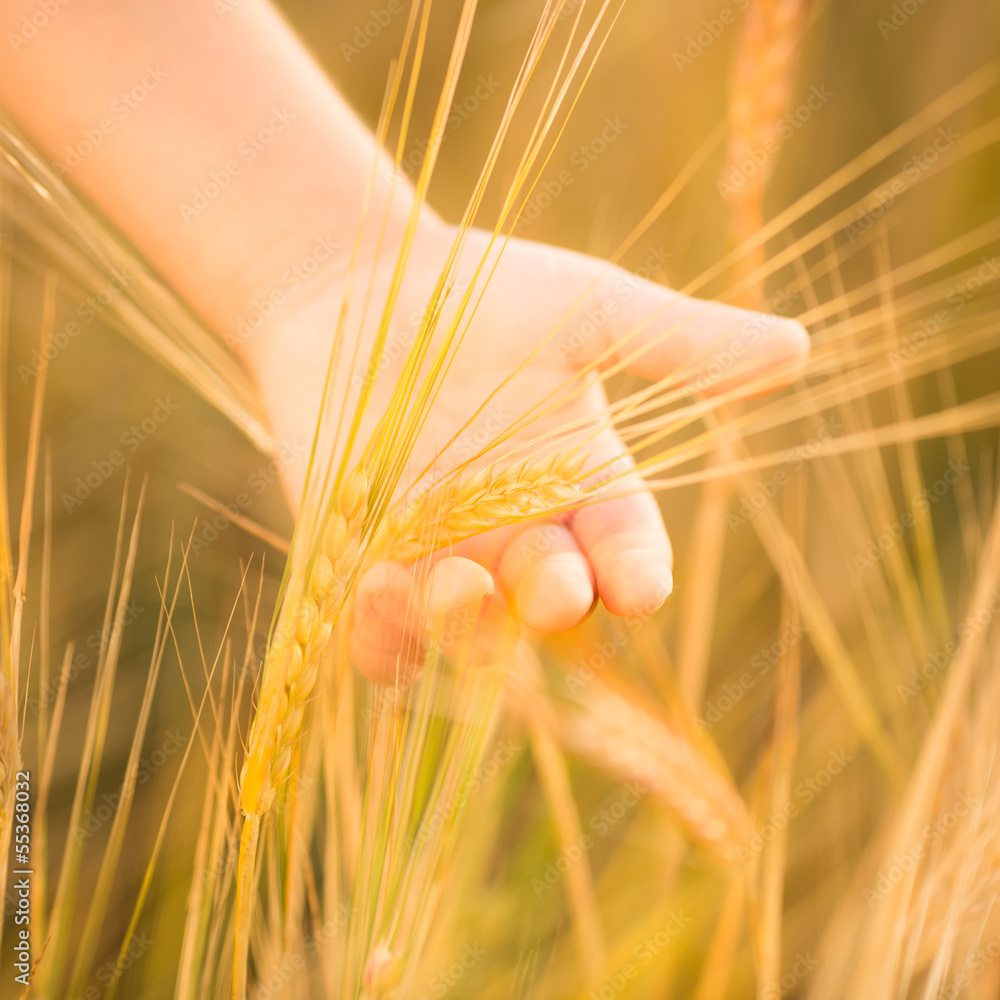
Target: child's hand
[{"x": 551, "y": 570}]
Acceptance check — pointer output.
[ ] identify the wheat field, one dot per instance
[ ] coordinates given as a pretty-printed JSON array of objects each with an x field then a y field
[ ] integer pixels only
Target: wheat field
[{"x": 781, "y": 783}]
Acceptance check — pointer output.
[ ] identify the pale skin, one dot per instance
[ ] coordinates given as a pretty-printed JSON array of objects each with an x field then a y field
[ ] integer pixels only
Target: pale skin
[{"x": 180, "y": 93}]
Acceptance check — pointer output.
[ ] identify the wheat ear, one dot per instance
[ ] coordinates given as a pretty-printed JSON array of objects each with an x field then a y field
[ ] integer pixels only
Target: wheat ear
[
  {"x": 443, "y": 516},
  {"x": 762, "y": 84},
  {"x": 459, "y": 509},
  {"x": 294, "y": 656},
  {"x": 621, "y": 737}
]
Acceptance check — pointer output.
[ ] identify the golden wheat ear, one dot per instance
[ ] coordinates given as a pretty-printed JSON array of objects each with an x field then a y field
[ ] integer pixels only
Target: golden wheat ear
[{"x": 463, "y": 507}]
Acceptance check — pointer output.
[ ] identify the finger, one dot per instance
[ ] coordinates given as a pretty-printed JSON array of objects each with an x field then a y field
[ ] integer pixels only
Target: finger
[
  {"x": 547, "y": 577},
  {"x": 657, "y": 332},
  {"x": 397, "y": 609},
  {"x": 625, "y": 542}
]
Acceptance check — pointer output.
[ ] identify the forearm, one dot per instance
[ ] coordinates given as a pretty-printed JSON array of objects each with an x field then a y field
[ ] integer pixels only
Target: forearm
[{"x": 215, "y": 144}]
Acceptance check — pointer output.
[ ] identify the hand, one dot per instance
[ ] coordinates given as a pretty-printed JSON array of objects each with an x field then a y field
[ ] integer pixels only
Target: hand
[
  {"x": 549, "y": 571},
  {"x": 227, "y": 77}
]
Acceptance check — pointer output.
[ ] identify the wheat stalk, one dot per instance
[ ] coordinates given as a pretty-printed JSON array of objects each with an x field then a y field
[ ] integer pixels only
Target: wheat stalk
[{"x": 489, "y": 499}]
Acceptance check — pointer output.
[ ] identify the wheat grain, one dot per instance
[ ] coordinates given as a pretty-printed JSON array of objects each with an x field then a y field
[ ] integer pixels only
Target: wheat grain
[{"x": 382, "y": 972}]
